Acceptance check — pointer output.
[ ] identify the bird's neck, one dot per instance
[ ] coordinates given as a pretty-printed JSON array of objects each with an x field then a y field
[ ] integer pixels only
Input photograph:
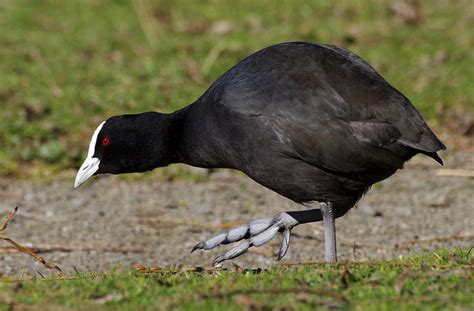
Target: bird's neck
[
  {"x": 189, "y": 139},
  {"x": 174, "y": 125}
]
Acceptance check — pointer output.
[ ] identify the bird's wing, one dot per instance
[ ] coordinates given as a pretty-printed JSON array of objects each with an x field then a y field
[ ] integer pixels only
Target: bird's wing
[
  {"x": 340, "y": 117},
  {"x": 339, "y": 147},
  {"x": 316, "y": 123}
]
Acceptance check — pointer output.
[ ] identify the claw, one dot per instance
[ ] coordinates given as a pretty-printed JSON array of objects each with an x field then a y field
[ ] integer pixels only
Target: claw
[
  {"x": 219, "y": 239},
  {"x": 285, "y": 243},
  {"x": 218, "y": 260},
  {"x": 200, "y": 245},
  {"x": 232, "y": 253},
  {"x": 255, "y": 233}
]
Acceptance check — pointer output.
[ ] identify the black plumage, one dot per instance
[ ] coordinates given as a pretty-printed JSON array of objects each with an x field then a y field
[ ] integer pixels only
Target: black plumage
[
  {"x": 312, "y": 122},
  {"x": 309, "y": 121}
]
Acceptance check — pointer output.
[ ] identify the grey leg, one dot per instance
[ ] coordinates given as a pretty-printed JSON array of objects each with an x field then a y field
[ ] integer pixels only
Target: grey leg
[
  {"x": 330, "y": 253},
  {"x": 259, "y": 232}
]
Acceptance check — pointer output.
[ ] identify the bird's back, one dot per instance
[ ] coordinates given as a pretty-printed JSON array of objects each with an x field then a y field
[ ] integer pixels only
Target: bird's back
[
  {"x": 313, "y": 86},
  {"x": 319, "y": 105}
]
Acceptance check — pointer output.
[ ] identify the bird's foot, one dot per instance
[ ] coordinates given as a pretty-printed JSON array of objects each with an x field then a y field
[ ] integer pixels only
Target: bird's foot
[{"x": 254, "y": 233}]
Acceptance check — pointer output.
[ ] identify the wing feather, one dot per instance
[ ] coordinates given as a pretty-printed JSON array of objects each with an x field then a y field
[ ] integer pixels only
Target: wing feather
[{"x": 337, "y": 112}]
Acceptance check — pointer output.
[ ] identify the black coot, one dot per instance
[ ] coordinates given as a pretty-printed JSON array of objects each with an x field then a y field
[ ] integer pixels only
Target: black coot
[{"x": 312, "y": 122}]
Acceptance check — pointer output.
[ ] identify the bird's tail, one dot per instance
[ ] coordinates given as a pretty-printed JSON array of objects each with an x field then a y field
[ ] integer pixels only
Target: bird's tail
[{"x": 434, "y": 156}]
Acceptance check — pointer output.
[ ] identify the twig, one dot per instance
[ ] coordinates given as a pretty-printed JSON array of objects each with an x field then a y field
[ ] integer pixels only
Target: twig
[
  {"x": 47, "y": 248},
  {"x": 455, "y": 172},
  {"x": 8, "y": 219},
  {"x": 365, "y": 263},
  {"x": 30, "y": 252},
  {"x": 24, "y": 249},
  {"x": 142, "y": 269},
  {"x": 437, "y": 239}
]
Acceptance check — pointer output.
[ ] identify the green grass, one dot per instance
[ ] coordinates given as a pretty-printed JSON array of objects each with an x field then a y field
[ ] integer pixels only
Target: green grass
[
  {"x": 436, "y": 281},
  {"x": 67, "y": 65}
]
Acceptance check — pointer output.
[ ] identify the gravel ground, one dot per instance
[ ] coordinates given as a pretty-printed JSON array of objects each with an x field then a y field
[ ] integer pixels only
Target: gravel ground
[{"x": 114, "y": 222}]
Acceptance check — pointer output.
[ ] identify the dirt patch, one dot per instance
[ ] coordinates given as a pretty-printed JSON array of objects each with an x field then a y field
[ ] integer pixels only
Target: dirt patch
[{"x": 112, "y": 222}]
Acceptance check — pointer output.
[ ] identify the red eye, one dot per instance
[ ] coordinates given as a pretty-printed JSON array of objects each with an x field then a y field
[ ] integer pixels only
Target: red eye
[{"x": 105, "y": 141}]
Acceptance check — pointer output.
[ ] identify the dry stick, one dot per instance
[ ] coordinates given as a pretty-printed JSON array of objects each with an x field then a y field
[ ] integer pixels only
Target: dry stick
[
  {"x": 367, "y": 263},
  {"x": 46, "y": 248},
  {"x": 142, "y": 269},
  {"x": 437, "y": 239},
  {"x": 334, "y": 267},
  {"x": 455, "y": 172},
  {"x": 24, "y": 249},
  {"x": 9, "y": 218}
]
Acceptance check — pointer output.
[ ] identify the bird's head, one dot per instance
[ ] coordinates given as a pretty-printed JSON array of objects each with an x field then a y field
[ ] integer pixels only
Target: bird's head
[{"x": 126, "y": 144}]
